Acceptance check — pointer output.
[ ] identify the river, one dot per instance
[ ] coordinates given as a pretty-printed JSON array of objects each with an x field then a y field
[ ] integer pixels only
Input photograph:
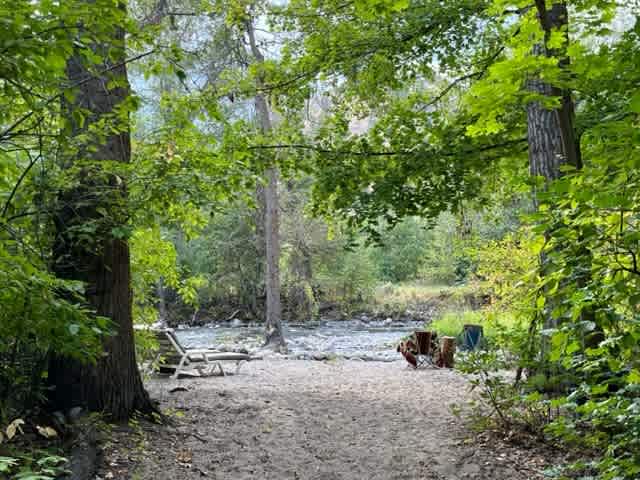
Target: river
[{"x": 375, "y": 340}]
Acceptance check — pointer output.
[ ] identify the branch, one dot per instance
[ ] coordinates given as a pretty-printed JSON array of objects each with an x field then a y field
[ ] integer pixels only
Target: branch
[
  {"x": 322, "y": 150},
  {"x": 317, "y": 149},
  {"x": 449, "y": 87},
  {"x": 545, "y": 22},
  {"x": 15, "y": 187},
  {"x": 42, "y": 32},
  {"x": 24, "y": 214},
  {"x": 50, "y": 100}
]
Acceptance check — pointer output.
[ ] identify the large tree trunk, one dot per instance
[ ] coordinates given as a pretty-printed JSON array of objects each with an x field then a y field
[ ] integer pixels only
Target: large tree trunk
[
  {"x": 274, "y": 337},
  {"x": 552, "y": 138},
  {"x": 552, "y": 141},
  {"x": 98, "y": 202}
]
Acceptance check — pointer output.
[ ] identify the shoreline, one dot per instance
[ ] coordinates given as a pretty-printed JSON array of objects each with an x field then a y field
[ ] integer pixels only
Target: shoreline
[{"x": 310, "y": 420}]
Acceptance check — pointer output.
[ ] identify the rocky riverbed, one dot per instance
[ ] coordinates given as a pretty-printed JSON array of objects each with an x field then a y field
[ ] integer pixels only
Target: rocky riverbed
[{"x": 360, "y": 339}]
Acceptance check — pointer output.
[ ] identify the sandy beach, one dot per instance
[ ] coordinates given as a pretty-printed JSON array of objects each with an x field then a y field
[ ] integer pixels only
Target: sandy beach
[{"x": 309, "y": 420}]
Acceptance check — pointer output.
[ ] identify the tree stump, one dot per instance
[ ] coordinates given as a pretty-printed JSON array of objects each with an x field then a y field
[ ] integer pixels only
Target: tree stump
[{"x": 447, "y": 351}]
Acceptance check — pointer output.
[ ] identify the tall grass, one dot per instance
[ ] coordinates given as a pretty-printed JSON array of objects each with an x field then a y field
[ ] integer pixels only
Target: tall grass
[
  {"x": 452, "y": 322},
  {"x": 412, "y": 293}
]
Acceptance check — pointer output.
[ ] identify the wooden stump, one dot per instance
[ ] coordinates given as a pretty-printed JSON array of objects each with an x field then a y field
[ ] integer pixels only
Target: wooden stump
[{"x": 447, "y": 351}]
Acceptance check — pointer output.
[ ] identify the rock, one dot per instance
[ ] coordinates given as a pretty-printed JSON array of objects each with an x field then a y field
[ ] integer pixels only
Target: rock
[
  {"x": 319, "y": 356},
  {"x": 74, "y": 414},
  {"x": 236, "y": 322}
]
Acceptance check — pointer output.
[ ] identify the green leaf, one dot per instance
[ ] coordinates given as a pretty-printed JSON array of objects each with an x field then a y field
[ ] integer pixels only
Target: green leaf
[
  {"x": 399, "y": 5},
  {"x": 634, "y": 103},
  {"x": 634, "y": 376},
  {"x": 573, "y": 347}
]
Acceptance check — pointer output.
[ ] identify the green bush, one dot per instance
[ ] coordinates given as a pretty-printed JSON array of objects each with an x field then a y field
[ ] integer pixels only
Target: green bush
[
  {"x": 40, "y": 315},
  {"x": 350, "y": 279},
  {"x": 500, "y": 330},
  {"x": 401, "y": 255}
]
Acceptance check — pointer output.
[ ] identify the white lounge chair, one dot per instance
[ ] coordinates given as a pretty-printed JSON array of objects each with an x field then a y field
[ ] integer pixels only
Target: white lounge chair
[{"x": 173, "y": 356}]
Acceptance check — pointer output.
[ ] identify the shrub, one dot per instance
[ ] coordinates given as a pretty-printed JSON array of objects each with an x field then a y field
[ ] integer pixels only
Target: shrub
[
  {"x": 499, "y": 330},
  {"x": 40, "y": 315}
]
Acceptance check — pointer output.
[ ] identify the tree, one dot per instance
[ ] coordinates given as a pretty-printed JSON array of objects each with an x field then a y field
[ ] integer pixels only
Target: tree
[
  {"x": 298, "y": 235},
  {"x": 97, "y": 114},
  {"x": 269, "y": 193},
  {"x": 553, "y": 142},
  {"x": 550, "y": 131}
]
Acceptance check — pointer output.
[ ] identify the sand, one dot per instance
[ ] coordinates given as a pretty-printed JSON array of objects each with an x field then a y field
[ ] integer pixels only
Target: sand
[{"x": 310, "y": 420}]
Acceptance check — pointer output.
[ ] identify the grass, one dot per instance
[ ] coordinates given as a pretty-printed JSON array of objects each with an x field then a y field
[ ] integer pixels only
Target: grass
[
  {"x": 451, "y": 323},
  {"x": 412, "y": 293}
]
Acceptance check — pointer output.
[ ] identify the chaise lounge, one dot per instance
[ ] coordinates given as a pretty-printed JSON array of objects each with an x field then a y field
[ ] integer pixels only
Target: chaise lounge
[{"x": 172, "y": 356}]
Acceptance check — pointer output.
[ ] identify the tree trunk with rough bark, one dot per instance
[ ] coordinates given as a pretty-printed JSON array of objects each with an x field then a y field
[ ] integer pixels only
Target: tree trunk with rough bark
[
  {"x": 98, "y": 203},
  {"x": 552, "y": 140},
  {"x": 551, "y": 132},
  {"x": 274, "y": 337}
]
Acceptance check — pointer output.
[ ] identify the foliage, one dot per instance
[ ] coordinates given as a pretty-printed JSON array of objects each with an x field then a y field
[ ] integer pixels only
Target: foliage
[
  {"x": 39, "y": 465},
  {"x": 40, "y": 315},
  {"x": 501, "y": 403},
  {"x": 596, "y": 224},
  {"x": 29, "y": 464},
  {"x": 445, "y": 260},
  {"x": 349, "y": 278},
  {"x": 302, "y": 304},
  {"x": 401, "y": 255},
  {"x": 153, "y": 259}
]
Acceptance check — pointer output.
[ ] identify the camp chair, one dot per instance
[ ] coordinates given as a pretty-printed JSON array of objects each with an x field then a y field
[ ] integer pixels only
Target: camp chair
[
  {"x": 173, "y": 356},
  {"x": 427, "y": 348},
  {"x": 420, "y": 349}
]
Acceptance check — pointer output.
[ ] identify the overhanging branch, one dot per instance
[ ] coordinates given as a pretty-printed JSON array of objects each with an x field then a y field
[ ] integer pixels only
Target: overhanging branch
[{"x": 317, "y": 149}]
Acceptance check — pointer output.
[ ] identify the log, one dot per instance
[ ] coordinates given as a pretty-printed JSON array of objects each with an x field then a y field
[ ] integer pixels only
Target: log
[{"x": 447, "y": 352}]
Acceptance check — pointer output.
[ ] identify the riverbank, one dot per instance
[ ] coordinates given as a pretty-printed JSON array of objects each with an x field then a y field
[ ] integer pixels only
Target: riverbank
[
  {"x": 399, "y": 302},
  {"x": 345, "y": 419}
]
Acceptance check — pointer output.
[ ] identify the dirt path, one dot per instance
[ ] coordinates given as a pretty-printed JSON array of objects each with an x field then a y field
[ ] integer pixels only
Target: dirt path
[{"x": 310, "y": 420}]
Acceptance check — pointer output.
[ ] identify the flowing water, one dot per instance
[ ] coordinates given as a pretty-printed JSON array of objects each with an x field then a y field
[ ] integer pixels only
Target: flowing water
[{"x": 346, "y": 339}]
